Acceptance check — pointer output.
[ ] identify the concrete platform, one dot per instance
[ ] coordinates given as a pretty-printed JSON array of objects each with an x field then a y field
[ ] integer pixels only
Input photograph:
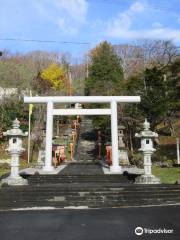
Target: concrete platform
[
  {"x": 130, "y": 170},
  {"x": 32, "y": 171},
  {"x": 73, "y": 168}
]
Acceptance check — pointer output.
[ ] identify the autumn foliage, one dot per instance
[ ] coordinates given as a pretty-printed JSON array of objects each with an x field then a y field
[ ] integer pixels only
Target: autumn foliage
[{"x": 55, "y": 76}]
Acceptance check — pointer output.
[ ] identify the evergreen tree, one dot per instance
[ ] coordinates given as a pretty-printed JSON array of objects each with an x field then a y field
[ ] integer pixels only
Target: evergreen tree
[
  {"x": 154, "y": 103},
  {"x": 173, "y": 81},
  {"x": 11, "y": 108},
  {"x": 159, "y": 89},
  {"x": 105, "y": 71}
]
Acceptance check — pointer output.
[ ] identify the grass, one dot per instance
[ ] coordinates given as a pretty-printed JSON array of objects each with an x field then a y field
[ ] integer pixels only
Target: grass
[
  {"x": 4, "y": 171},
  {"x": 5, "y": 168},
  {"x": 167, "y": 175}
]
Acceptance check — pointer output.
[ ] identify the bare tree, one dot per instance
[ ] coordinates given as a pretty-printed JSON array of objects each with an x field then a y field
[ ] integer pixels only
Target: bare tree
[
  {"x": 146, "y": 54},
  {"x": 158, "y": 52}
]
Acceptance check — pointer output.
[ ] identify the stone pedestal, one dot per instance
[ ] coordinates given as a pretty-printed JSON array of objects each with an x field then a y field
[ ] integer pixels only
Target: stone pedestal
[
  {"x": 147, "y": 179},
  {"x": 123, "y": 157},
  {"x": 48, "y": 169},
  {"x": 15, "y": 181},
  {"x": 41, "y": 158},
  {"x": 115, "y": 169},
  {"x": 15, "y": 149},
  {"x": 15, "y": 178}
]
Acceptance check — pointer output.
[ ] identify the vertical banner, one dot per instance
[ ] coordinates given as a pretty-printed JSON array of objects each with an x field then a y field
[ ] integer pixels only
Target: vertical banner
[{"x": 29, "y": 129}]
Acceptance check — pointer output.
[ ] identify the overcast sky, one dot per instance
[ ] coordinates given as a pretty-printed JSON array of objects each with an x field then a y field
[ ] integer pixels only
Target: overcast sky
[{"x": 118, "y": 21}]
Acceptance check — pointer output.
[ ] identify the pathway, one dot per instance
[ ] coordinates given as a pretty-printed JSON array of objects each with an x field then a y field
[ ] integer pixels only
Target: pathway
[{"x": 86, "y": 143}]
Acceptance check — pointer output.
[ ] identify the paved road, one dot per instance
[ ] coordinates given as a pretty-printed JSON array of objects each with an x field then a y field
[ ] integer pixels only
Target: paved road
[{"x": 92, "y": 224}]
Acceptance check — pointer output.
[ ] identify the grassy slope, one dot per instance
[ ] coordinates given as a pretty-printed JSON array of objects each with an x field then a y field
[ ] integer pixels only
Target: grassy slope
[
  {"x": 166, "y": 153},
  {"x": 167, "y": 175},
  {"x": 23, "y": 164}
]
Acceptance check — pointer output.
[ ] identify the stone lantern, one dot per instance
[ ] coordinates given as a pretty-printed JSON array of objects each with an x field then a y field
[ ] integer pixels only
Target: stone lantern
[
  {"x": 99, "y": 142},
  {"x": 122, "y": 151},
  {"x": 15, "y": 149},
  {"x": 147, "y": 149},
  {"x": 78, "y": 106},
  {"x": 41, "y": 154}
]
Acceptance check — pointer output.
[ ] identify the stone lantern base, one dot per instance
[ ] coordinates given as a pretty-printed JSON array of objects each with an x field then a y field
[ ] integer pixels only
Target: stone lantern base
[
  {"x": 41, "y": 159},
  {"x": 147, "y": 179},
  {"x": 15, "y": 181},
  {"x": 123, "y": 157}
]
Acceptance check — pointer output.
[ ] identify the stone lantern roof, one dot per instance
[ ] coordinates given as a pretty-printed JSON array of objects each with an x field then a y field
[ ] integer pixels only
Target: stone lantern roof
[
  {"x": 121, "y": 127},
  {"x": 146, "y": 133},
  {"x": 15, "y": 131}
]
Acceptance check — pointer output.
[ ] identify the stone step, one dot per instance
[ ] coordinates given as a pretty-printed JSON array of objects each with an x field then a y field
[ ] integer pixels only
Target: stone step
[
  {"x": 86, "y": 197},
  {"x": 87, "y": 186},
  {"x": 86, "y": 189},
  {"x": 75, "y": 198},
  {"x": 73, "y": 180},
  {"x": 61, "y": 180},
  {"x": 86, "y": 141},
  {"x": 92, "y": 203},
  {"x": 90, "y": 192},
  {"x": 116, "y": 176}
]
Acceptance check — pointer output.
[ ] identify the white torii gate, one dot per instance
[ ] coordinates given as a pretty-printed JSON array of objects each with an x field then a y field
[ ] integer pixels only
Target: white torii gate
[{"x": 113, "y": 100}]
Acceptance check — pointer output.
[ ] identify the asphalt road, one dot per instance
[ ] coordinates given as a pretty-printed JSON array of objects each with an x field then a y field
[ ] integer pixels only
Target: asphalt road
[{"x": 92, "y": 224}]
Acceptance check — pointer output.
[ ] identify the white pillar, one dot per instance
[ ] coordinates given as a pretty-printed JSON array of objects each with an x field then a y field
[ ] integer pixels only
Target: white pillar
[
  {"x": 15, "y": 165},
  {"x": 114, "y": 168},
  {"x": 177, "y": 145},
  {"x": 147, "y": 163},
  {"x": 49, "y": 134}
]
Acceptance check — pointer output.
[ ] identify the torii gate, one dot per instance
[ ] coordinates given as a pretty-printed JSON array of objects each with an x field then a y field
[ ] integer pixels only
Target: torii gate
[{"x": 113, "y": 100}]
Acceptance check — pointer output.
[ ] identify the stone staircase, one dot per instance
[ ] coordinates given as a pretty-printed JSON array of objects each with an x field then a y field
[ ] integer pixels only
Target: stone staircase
[
  {"x": 92, "y": 190},
  {"x": 89, "y": 195},
  {"x": 86, "y": 141},
  {"x": 83, "y": 184}
]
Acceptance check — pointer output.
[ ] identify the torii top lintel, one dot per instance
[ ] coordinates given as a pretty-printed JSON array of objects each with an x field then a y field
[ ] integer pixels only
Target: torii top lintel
[{"x": 82, "y": 99}]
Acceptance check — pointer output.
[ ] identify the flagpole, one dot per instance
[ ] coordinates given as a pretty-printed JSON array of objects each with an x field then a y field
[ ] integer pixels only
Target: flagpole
[{"x": 29, "y": 136}]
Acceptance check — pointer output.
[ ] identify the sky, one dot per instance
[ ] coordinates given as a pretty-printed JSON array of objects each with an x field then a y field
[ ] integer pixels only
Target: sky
[{"x": 86, "y": 23}]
